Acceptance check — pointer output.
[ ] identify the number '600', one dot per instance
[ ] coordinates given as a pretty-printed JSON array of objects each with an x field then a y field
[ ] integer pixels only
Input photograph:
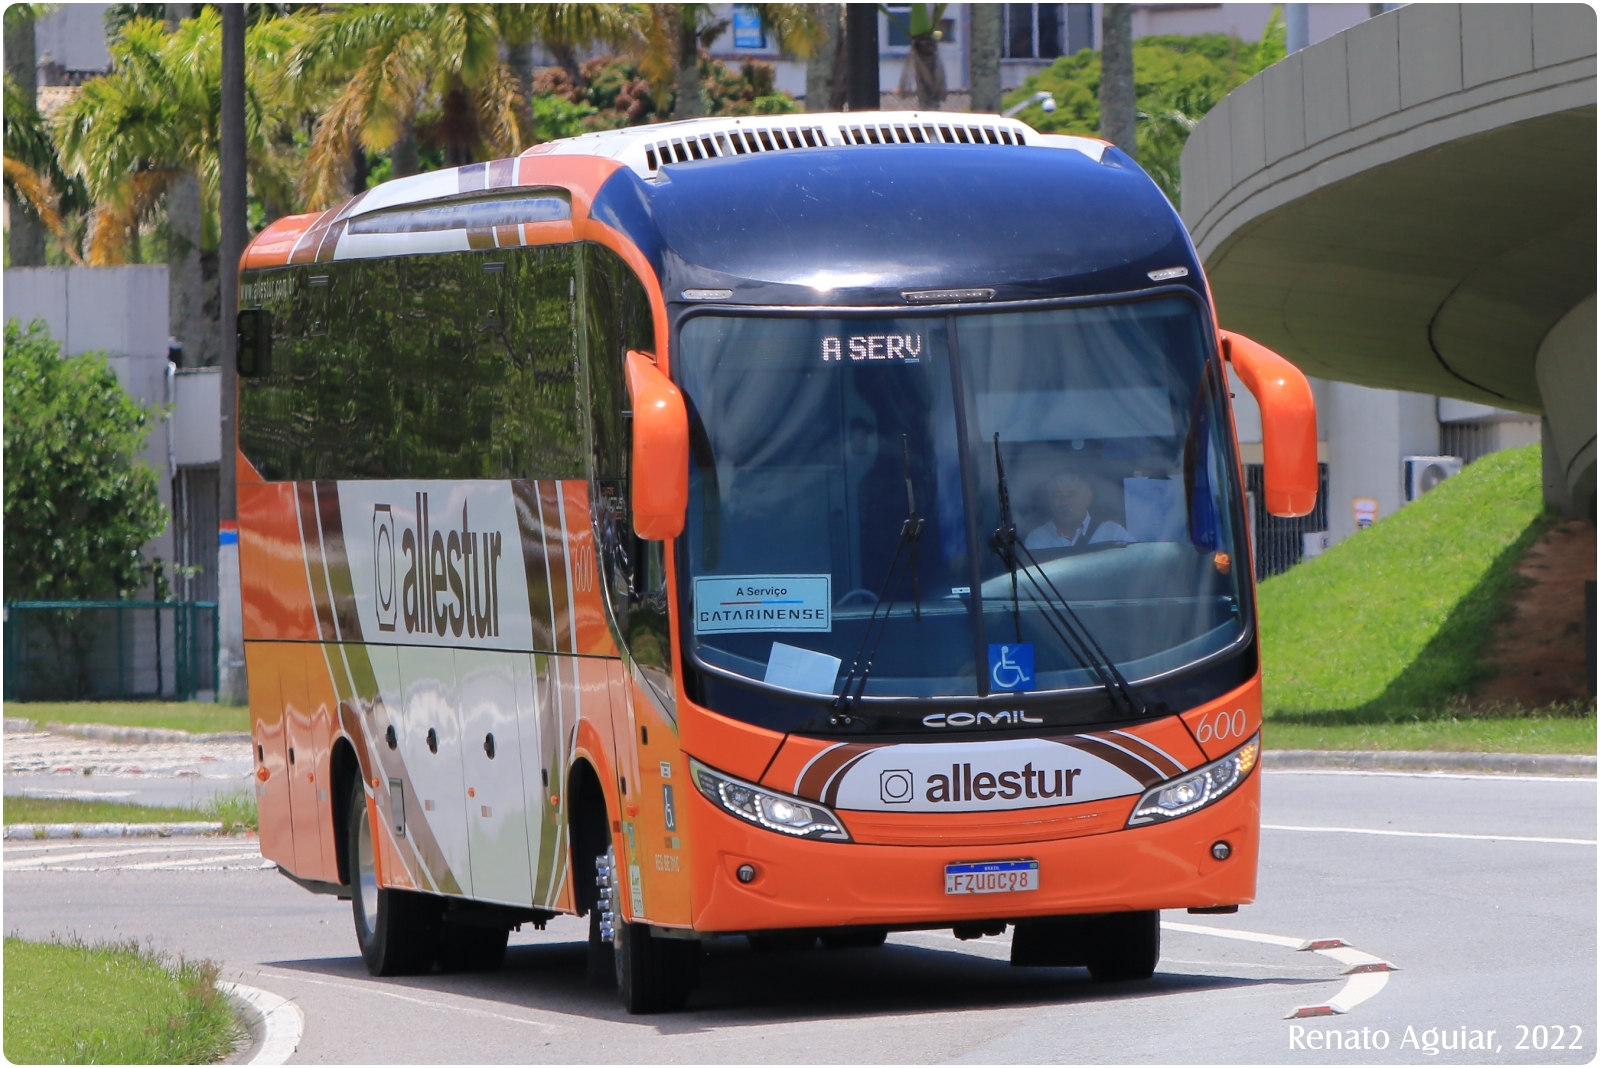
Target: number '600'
[{"x": 1221, "y": 726}]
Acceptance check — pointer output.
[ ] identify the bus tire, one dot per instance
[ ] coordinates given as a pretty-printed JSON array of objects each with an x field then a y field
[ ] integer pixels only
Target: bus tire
[
  {"x": 854, "y": 937},
  {"x": 794, "y": 941},
  {"x": 397, "y": 930},
  {"x": 471, "y": 948},
  {"x": 654, "y": 974},
  {"x": 1050, "y": 942},
  {"x": 600, "y": 967},
  {"x": 1123, "y": 946}
]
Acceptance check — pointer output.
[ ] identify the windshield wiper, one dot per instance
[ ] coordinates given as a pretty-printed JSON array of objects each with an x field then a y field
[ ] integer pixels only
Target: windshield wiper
[
  {"x": 1077, "y": 638},
  {"x": 910, "y": 535}
]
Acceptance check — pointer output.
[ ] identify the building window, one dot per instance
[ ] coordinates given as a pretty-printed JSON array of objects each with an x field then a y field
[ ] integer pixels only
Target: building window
[{"x": 1046, "y": 31}]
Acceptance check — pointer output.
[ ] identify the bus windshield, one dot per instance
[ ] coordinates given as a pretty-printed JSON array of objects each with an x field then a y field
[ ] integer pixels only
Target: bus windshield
[{"x": 813, "y": 439}]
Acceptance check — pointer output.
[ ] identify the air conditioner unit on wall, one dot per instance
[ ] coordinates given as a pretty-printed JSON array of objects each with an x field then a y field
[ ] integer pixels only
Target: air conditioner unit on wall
[{"x": 1425, "y": 472}]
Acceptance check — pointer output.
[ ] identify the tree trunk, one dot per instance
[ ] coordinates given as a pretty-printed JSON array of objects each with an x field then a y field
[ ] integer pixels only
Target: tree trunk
[
  {"x": 928, "y": 67},
  {"x": 358, "y": 168},
  {"x": 688, "y": 104},
  {"x": 1119, "y": 112},
  {"x": 820, "y": 65},
  {"x": 985, "y": 64},
  {"x": 861, "y": 21},
  {"x": 26, "y": 239},
  {"x": 567, "y": 60},
  {"x": 840, "y": 92},
  {"x": 185, "y": 285},
  {"x": 403, "y": 156},
  {"x": 519, "y": 60}
]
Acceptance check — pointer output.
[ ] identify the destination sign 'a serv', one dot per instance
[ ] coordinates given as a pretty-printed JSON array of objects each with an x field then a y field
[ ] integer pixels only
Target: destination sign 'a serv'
[{"x": 724, "y": 604}]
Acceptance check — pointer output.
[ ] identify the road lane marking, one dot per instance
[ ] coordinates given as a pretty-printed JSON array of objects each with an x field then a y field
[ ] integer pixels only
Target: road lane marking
[
  {"x": 35, "y": 862},
  {"x": 1508, "y": 776},
  {"x": 1357, "y": 988},
  {"x": 1429, "y": 834},
  {"x": 171, "y": 865},
  {"x": 281, "y": 1020},
  {"x": 367, "y": 989}
]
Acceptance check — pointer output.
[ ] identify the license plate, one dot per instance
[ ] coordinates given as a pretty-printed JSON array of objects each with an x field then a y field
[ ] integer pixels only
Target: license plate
[{"x": 991, "y": 877}]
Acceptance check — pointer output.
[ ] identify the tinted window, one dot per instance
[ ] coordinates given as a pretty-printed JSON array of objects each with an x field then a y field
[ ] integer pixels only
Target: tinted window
[{"x": 460, "y": 365}]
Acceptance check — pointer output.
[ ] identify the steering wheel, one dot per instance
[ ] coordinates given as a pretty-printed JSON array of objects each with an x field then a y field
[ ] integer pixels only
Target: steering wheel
[{"x": 870, "y": 597}]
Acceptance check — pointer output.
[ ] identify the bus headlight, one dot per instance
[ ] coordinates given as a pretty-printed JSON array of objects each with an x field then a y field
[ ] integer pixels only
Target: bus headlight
[
  {"x": 1197, "y": 789},
  {"x": 766, "y": 808}
]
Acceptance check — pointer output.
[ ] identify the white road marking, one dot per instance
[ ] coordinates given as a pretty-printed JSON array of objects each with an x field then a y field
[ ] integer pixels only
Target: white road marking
[
  {"x": 380, "y": 992},
  {"x": 171, "y": 865},
  {"x": 1242, "y": 936},
  {"x": 1357, "y": 988},
  {"x": 106, "y": 854},
  {"x": 282, "y": 1020},
  {"x": 1503, "y": 776},
  {"x": 1429, "y": 834}
]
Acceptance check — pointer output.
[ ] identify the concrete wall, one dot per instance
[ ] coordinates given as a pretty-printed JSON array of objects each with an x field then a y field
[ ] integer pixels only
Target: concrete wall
[{"x": 1565, "y": 367}]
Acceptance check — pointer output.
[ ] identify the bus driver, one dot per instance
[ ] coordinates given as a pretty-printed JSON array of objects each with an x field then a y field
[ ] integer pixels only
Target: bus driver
[{"x": 1068, "y": 497}]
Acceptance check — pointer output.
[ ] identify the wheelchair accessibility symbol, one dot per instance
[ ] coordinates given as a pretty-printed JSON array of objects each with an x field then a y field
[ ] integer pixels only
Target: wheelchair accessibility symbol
[{"x": 1011, "y": 667}]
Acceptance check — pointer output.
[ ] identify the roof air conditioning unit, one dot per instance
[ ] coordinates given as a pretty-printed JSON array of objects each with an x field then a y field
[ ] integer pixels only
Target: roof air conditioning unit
[{"x": 1425, "y": 472}]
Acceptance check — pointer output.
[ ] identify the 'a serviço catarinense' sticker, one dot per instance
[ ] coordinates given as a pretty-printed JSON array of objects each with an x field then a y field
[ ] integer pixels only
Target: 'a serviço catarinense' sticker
[{"x": 762, "y": 603}]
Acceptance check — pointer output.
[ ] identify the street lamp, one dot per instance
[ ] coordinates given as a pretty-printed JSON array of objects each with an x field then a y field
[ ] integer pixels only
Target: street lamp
[{"x": 1049, "y": 104}]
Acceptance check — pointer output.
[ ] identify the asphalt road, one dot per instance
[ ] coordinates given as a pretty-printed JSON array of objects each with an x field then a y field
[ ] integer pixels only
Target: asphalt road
[{"x": 1489, "y": 931}]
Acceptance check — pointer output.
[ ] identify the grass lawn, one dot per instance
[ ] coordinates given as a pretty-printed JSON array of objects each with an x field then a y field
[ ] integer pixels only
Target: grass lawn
[
  {"x": 111, "y": 1003},
  {"x": 197, "y": 717},
  {"x": 1531, "y": 734},
  {"x": 1376, "y": 643},
  {"x": 237, "y": 812}
]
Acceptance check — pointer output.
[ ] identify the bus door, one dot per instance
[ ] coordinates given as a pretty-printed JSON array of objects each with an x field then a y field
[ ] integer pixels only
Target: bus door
[
  {"x": 300, "y": 736},
  {"x": 491, "y": 758},
  {"x": 431, "y": 742}
]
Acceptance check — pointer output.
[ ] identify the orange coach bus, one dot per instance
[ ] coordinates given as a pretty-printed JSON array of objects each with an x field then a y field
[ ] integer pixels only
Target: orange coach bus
[{"x": 801, "y": 527}]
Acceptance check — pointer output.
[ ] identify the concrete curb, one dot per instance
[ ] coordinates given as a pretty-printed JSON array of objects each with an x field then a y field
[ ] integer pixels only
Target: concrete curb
[
  {"x": 1403, "y": 760},
  {"x": 110, "y": 830},
  {"x": 277, "y": 1030},
  {"x": 101, "y": 732}
]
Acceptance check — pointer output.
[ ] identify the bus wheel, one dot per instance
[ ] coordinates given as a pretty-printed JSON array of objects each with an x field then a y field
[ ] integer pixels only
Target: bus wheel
[
  {"x": 467, "y": 947},
  {"x": 854, "y": 937},
  {"x": 782, "y": 941},
  {"x": 652, "y": 974},
  {"x": 1123, "y": 945},
  {"x": 398, "y": 930}
]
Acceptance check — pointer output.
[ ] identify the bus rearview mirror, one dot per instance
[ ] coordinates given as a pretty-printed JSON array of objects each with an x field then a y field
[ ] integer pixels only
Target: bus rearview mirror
[
  {"x": 254, "y": 353},
  {"x": 1288, "y": 423},
  {"x": 660, "y": 451}
]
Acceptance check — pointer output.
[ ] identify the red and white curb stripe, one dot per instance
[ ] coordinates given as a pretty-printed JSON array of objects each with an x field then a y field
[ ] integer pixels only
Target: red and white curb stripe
[
  {"x": 1368, "y": 974},
  {"x": 282, "y": 1022}
]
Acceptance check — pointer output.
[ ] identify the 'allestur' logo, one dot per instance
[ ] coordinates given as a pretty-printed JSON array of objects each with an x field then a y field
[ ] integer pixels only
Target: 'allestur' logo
[{"x": 451, "y": 582}]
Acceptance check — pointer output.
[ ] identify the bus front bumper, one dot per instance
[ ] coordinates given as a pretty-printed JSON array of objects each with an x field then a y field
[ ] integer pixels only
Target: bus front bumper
[{"x": 804, "y": 883}]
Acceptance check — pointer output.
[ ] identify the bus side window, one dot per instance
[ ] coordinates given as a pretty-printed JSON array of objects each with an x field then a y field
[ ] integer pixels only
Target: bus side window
[{"x": 635, "y": 570}]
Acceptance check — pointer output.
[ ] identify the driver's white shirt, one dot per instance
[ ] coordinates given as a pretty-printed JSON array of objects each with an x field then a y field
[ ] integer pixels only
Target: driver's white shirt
[{"x": 1049, "y": 537}]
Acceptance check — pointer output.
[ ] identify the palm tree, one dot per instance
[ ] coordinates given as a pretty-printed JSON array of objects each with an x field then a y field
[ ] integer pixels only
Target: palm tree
[
  {"x": 26, "y": 240},
  {"x": 146, "y": 135},
  {"x": 678, "y": 32},
  {"x": 984, "y": 41},
  {"x": 924, "y": 69},
  {"x": 1119, "y": 109},
  {"x": 38, "y": 190}
]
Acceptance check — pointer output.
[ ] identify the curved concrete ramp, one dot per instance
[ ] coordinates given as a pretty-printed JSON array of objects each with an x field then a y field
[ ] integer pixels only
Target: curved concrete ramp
[{"x": 1411, "y": 204}]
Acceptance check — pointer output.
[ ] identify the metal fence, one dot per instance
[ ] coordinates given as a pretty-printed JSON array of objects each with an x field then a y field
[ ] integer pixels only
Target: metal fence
[
  {"x": 98, "y": 650},
  {"x": 1279, "y": 543}
]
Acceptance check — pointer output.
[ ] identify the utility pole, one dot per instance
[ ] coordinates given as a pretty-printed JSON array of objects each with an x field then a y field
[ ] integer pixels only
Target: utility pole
[
  {"x": 1298, "y": 25},
  {"x": 234, "y": 233},
  {"x": 861, "y": 51},
  {"x": 1119, "y": 111}
]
